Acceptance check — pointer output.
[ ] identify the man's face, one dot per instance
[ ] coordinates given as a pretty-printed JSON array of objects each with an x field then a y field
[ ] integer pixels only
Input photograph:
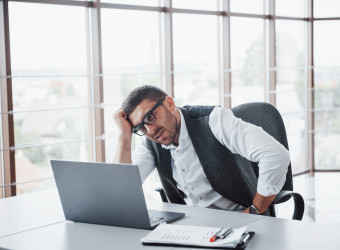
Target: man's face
[{"x": 164, "y": 129}]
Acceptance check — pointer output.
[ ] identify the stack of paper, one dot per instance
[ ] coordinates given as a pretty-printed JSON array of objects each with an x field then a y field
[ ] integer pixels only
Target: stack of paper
[{"x": 192, "y": 236}]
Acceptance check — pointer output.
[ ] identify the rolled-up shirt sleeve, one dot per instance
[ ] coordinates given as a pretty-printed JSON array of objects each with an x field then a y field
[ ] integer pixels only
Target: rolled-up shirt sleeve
[
  {"x": 142, "y": 157},
  {"x": 254, "y": 144}
]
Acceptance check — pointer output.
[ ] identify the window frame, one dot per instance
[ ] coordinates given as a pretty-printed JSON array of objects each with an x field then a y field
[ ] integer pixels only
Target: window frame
[{"x": 95, "y": 70}]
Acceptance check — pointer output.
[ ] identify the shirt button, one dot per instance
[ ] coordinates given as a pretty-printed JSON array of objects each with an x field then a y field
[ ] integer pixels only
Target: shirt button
[
  {"x": 192, "y": 188},
  {"x": 201, "y": 198},
  {"x": 183, "y": 170},
  {"x": 177, "y": 150}
]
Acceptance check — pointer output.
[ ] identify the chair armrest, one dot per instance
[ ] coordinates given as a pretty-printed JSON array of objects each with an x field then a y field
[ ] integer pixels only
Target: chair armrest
[
  {"x": 299, "y": 207},
  {"x": 162, "y": 194}
]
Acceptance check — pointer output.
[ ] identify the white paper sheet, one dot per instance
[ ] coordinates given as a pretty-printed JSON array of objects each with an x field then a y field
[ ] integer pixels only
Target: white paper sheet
[{"x": 192, "y": 235}]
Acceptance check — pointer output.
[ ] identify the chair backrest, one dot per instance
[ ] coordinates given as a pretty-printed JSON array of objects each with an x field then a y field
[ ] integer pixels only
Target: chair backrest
[{"x": 268, "y": 117}]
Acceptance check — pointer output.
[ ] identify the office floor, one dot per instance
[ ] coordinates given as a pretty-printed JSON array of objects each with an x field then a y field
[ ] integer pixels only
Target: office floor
[{"x": 322, "y": 198}]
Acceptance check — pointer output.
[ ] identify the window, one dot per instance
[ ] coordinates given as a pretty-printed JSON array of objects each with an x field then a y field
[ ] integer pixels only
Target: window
[
  {"x": 327, "y": 94},
  {"x": 195, "y": 59},
  {"x": 291, "y": 8},
  {"x": 291, "y": 88},
  {"x": 326, "y": 8},
  {"x": 210, "y": 5},
  {"x": 247, "y": 6},
  {"x": 58, "y": 78},
  {"x": 247, "y": 60},
  {"x": 50, "y": 90},
  {"x": 131, "y": 58}
]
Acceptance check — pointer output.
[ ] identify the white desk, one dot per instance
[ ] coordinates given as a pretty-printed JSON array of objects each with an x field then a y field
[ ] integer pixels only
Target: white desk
[{"x": 36, "y": 221}]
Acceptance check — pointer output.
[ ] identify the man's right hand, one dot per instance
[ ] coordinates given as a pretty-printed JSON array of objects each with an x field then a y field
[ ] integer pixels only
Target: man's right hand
[{"x": 123, "y": 124}]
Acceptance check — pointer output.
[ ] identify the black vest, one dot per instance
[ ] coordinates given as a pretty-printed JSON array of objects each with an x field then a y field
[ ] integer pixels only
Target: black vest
[{"x": 230, "y": 175}]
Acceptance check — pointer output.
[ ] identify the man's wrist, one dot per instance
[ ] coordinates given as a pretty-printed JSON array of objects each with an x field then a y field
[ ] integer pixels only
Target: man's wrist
[
  {"x": 253, "y": 210},
  {"x": 260, "y": 208},
  {"x": 262, "y": 202},
  {"x": 127, "y": 136},
  {"x": 124, "y": 142}
]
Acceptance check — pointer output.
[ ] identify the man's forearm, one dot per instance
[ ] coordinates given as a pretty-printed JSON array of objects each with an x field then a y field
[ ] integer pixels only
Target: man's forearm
[
  {"x": 262, "y": 202},
  {"x": 123, "y": 152}
]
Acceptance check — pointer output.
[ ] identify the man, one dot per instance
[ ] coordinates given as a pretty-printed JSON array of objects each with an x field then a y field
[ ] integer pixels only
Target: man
[{"x": 195, "y": 149}]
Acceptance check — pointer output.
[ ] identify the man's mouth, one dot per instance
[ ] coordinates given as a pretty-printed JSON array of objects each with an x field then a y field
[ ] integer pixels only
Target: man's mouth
[{"x": 159, "y": 134}]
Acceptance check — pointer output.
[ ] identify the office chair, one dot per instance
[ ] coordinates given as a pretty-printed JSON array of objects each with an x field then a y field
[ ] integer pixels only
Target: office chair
[{"x": 266, "y": 116}]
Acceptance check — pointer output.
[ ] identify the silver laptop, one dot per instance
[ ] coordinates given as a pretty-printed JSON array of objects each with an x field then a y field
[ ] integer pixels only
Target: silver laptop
[{"x": 106, "y": 194}]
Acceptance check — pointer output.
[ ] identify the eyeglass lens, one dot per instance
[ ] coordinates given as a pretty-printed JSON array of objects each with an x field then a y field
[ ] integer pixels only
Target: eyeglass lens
[{"x": 149, "y": 120}]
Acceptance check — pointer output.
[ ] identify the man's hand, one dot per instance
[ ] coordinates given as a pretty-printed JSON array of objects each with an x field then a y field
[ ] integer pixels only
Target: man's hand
[
  {"x": 122, "y": 122},
  {"x": 246, "y": 211}
]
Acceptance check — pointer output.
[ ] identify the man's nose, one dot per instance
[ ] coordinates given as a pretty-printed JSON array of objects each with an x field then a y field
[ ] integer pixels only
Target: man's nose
[{"x": 150, "y": 129}]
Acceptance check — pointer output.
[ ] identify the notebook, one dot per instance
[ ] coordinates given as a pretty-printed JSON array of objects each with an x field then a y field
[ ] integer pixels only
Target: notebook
[
  {"x": 107, "y": 194},
  {"x": 196, "y": 236}
]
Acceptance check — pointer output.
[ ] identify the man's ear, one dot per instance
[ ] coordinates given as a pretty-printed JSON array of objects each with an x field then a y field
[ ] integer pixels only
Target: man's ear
[{"x": 170, "y": 104}]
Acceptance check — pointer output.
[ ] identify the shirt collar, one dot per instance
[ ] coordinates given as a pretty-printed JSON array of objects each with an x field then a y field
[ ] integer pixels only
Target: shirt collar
[{"x": 183, "y": 133}]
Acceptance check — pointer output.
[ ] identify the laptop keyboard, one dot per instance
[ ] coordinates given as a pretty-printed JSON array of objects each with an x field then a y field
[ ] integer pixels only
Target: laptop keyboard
[{"x": 155, "y": 219}]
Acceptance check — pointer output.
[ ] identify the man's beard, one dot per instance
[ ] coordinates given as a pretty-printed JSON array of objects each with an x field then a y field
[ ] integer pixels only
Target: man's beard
[{"x": 172, "y": 128}]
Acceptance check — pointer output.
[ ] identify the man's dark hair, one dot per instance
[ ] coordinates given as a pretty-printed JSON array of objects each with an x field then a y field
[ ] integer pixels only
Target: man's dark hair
[{"x": 139, "y": 94}]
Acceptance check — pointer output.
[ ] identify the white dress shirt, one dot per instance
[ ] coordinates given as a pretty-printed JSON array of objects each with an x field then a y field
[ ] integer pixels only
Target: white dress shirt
[{"x": 239, "y": 137}]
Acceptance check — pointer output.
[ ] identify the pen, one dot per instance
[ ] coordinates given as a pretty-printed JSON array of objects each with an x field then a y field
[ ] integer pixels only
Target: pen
[
  {"x": 221, "y": 234},
  {"x": 213, "y": 238},
  {"x": 245, "y": 238},
  {"x": 226, "y": 233}
]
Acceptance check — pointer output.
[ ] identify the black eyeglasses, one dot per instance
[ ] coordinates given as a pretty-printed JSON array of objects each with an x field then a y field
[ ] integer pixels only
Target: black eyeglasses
[{"x": 148, "y": 119}]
